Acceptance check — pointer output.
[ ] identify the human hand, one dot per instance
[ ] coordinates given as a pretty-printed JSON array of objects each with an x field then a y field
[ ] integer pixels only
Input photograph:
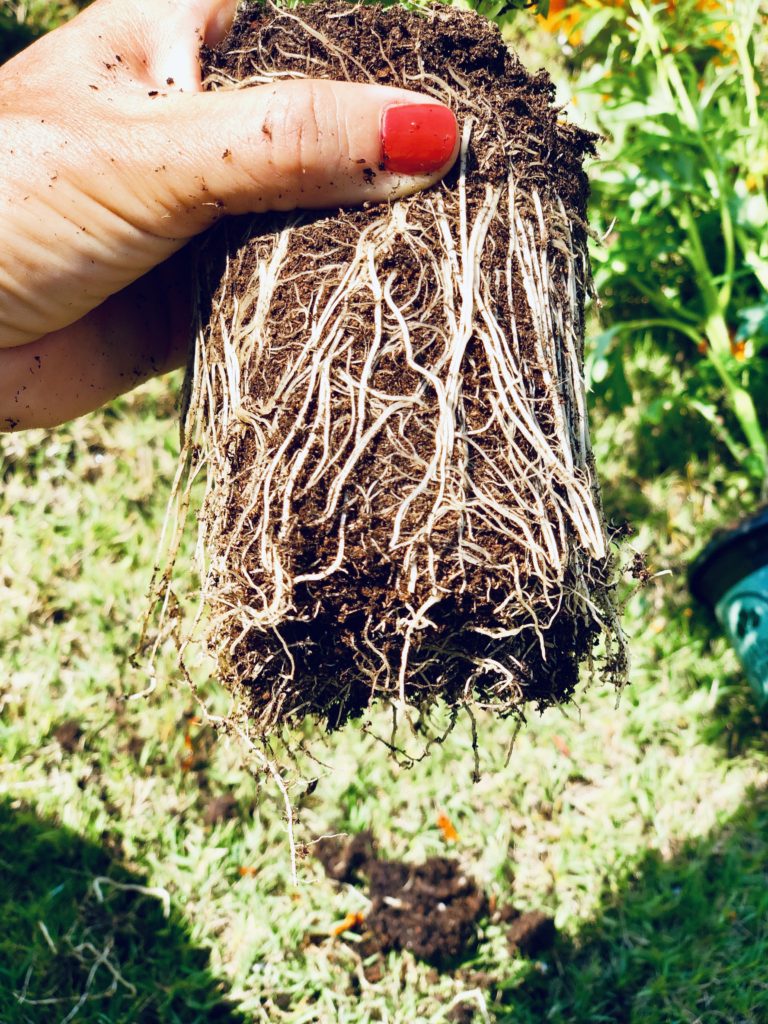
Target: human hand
[{"x": 113, "y": 158}]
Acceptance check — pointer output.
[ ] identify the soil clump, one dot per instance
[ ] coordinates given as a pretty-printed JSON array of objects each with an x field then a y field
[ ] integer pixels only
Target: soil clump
[
  {"x": 433, "y": 909},
  {"x": 388, "y": 403}
]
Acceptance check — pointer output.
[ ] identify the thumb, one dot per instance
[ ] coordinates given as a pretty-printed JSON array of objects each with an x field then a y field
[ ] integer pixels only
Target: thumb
[{"x": 305, "y": 143}]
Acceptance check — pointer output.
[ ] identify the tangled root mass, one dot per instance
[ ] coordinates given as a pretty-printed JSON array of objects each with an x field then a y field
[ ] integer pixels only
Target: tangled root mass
[{"x": 389, "y": 404}]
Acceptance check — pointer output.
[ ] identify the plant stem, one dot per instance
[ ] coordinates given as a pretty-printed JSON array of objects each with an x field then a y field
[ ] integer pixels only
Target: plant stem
[{"x": 740, "y": 399}]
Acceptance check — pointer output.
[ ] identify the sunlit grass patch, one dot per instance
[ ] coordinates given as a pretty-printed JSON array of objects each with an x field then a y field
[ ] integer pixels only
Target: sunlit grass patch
[{"x": 609, "y": 817}]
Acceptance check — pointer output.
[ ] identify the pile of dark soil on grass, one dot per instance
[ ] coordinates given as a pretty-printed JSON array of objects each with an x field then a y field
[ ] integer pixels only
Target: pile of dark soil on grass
[
  {"x": 388, "y": 403},
  {"x": 432, "y": 909}
]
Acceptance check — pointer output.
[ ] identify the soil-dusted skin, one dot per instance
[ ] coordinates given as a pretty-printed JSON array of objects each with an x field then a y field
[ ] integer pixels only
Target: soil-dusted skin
[{"x": 402, "y": 501}]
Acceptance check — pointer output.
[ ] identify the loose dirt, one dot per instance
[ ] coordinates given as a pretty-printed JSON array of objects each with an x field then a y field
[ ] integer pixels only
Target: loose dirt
[
  {"x": 68, "y": 735},
  {"x": 433, "y": 909}
]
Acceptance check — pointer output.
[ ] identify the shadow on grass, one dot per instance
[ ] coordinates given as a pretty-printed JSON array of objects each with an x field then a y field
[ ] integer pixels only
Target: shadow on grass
[
  {"x": 106, "y": 952},
  {"x": 683, "y": 939}
]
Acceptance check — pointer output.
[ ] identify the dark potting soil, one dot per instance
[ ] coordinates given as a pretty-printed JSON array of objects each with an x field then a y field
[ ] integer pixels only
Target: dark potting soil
[
  {"x": 432, "y": 909},
  {"x": 68, "y": 735},
  {"x": 343, "y": 638}
]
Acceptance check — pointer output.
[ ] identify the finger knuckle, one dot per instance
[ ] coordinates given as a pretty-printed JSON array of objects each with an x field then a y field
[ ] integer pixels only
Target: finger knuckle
[{"x": 304, "y": 134}]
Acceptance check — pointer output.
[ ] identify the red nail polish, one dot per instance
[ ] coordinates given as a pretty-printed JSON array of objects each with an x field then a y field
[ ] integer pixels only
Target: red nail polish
[{"x": 417, "y": 138}]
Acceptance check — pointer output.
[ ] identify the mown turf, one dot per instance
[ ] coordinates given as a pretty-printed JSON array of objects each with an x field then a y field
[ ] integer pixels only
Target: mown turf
[{"x": 642, "y": 827}]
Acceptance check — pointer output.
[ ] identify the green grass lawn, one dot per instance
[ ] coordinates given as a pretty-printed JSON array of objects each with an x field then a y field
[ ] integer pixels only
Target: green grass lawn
[{"x": 642, "y": 826}]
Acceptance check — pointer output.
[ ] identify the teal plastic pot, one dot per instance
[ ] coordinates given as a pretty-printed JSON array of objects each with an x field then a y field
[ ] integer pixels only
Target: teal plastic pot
[{"x": 731, "y": 577}]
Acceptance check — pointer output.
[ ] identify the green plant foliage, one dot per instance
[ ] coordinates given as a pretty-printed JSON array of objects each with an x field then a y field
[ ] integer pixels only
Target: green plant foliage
[
  {"x": 681, "y": 200},
  {"x": 497, "y": 10},
  {"x": 23, "y": 21}
]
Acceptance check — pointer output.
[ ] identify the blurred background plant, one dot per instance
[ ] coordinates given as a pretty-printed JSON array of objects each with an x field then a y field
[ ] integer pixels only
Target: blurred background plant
[
  {"x": 679, "y": 202},
  {"x": 23, "y": 21}
]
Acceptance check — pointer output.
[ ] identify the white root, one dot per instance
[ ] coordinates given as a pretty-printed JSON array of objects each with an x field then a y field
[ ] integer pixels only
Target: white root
[{"x": 461, "y": 374}]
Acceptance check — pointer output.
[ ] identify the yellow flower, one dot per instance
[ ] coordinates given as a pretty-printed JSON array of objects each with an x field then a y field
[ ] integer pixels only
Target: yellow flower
[{"x": 561, "y": 20}]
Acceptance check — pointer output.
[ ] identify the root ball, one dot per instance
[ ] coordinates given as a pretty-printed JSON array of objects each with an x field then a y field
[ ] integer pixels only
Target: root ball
[{"x": 388, "y": 403}]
